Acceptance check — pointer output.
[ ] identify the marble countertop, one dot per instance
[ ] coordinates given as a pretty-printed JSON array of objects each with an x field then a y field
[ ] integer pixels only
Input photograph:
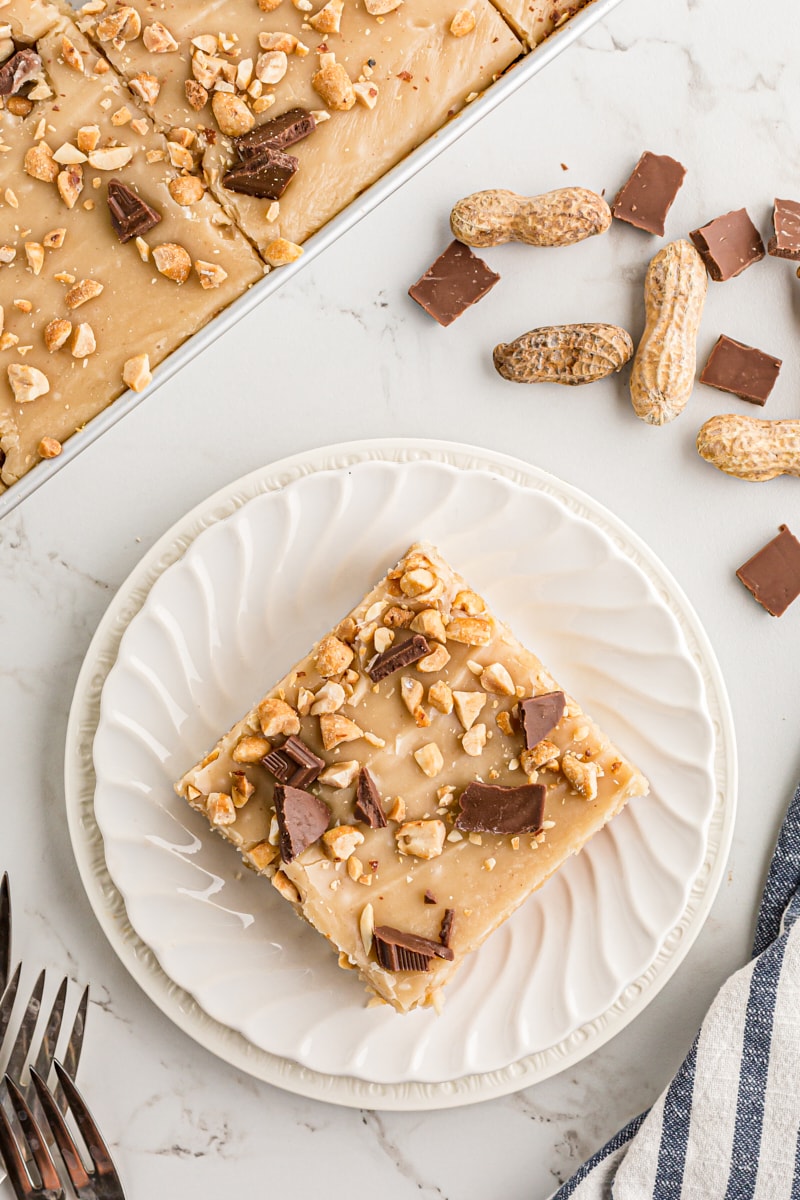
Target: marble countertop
[{"x": 341, "y": 353}]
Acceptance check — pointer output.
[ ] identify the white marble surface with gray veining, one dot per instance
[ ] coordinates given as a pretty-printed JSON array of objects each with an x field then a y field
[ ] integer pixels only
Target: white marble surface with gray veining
[{"x": 342, "y": 353}]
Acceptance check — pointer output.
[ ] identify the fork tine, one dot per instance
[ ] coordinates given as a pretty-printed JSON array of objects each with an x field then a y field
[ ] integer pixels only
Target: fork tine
[
  {"x": 21, "y": 1046},
  {"x": 61, "y": 1134},
  {"x": 50, "y": 1037},
  {"x": 98, "y": 1150},
  {"x": 5, "y": 931},
  {"x": 10, "y": 1155},
  {"x": 7, "y": 1003},
  {"x": 36, "y": 1141},
  {"x": 72, "y": 1054}
]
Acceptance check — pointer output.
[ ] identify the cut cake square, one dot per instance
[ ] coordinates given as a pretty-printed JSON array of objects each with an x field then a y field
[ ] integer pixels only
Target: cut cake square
[{"x": 412, "y": 780}]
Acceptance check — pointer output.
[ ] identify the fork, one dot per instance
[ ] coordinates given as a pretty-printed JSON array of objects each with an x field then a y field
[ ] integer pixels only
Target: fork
[
  {"x": 101, "y": 1183},
  {"x": 9, "y": 987},
  {"x": 19, "y": 1051}
]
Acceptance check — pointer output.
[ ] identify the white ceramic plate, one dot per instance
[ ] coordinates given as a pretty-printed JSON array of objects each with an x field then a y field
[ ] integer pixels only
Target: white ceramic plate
[{"x": 220, "y": 608}]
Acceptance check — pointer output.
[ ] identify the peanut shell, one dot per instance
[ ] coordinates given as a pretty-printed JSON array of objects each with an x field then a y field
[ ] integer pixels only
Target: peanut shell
[
  {"x": 662, "y": 378},
  {"x": 557, "y": 218},
  {"x": 567, "y": 354},
  {"x": 750, "y": 447}
]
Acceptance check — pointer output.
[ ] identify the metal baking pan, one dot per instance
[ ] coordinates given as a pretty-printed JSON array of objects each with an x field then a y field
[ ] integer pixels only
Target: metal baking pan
[{"x": 515, "y": 77}]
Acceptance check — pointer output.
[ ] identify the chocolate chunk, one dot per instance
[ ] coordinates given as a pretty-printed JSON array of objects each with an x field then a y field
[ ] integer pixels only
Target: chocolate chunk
[
  {"x": 276, "y": 134},
  {"x": 742, "y": 370},
  {"x": 367, "y": 804},
  {"x": 773, "y": 575},
  {"x": 728, "y": 245},
  {"x": 540, "y": 715},
  {"x": 786, "y": 242},
  {"x": 456, "y": 281},
  {"x": 647, "y": 197},
  {"x": 302, "y": 819},
  {"x": 429, "y": 897},
  {"x": 130, "y": 215},
  {"x": 267, "y": 175},
  {"x": 19, "y": 70},
  {"x": 398, "y": 655},
  {"x": 488, "y": 808},
  {"x": 398, "y": 951},
  {"x": 294, "y": 763},
  {"x": 446, "y": 931}
]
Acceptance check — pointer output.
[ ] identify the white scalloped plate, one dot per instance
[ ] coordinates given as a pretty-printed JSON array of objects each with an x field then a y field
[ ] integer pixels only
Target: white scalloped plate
[{"x": 220, "y": 607}]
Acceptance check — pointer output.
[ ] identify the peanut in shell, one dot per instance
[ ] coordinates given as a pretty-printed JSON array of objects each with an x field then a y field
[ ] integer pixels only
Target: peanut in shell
[
  {"x": 567, "y": 354},
  {"x": 751, "y": 447},
  {"x": 557, "y": 218},
  {"x": 662, "y": 378}
]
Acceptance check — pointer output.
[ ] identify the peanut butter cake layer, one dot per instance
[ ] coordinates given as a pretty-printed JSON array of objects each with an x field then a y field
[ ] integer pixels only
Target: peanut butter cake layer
[
  {"x": 412, "y": 780},
  {"x": 371, "y": 80},
  {"x": 534, "y": 20},
  {"x": 109, "y": 256}
]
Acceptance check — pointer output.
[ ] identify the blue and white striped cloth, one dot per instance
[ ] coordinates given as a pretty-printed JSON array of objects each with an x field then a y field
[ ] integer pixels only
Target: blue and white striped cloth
[{"x": 728, "y": 1126}]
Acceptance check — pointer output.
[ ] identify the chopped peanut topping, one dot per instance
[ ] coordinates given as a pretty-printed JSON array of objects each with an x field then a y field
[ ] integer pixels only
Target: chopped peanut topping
[
  {"x": 57, "y": 333},
  {"x": 211, "y": 275},
  {"x": 158, "y": 39},
  {"x": 125, "y": 24},
  {"x": 422, "y": 839},
  {"x": 172, "y": 261},
  {"x": 262, "y": 855},
  {"x": 474, "y": 740},
  {"x": 82, "y": 292},
  {"x": 468, "y": 706},
  {"x": 136, "y": 372},
  {"x": 232, "y": 114},
  {"x": 276, "y": 716},
  {"x": 335, "y": 729},
  {"x": 71, "y": 55},
  {"x": 332, "y": 83},
  {"x": 186, "y": 190},
  {"x": 196, "y": 94},
  {"x": 582, "y": 776},
  {"x": 27, "y": 383},
  {"x": 329, "y": 18},
  {"x": 462, "y": 23},
  {"x": 441, "y": 697},
  {"x": 39, "y": 163},
  {"x": 250, "y": 749},
  {"x": 341, "y": 842},
  {"x": 333, "y": 656},
  {"x": 83, "y": 341},
  {"x": 145, "y": 86},
  {"x": 49, "y": 447},
  {"x": 429, "y": 759}
]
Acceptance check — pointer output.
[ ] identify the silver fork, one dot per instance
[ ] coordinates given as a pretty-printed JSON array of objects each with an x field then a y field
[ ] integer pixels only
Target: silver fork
[
  {"x": 19, "y": 1051},
  {"x": 101, "y": 1183}
]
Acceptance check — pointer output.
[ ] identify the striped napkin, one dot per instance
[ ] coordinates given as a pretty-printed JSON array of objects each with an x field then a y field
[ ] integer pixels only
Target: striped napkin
[{"x": 728, "y": 1125}]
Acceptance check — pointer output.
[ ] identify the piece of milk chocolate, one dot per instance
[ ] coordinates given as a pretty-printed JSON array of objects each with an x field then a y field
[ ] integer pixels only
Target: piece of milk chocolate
[
  {"x": 786, "y": 242},
  {"x": 773, "y": 574},
  {"x": 648, "y": 195},
  {"x": 741, "y": 370},
  {"x": 456, "y": 281},
  {"x": 728, "y": 245}
]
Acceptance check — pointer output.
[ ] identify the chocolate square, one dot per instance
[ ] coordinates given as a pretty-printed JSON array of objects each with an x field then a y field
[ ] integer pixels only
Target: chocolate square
[
  {"x": 276, "y": 134},
  {"x": 741, "y": 370},
  {"x": 773, "y": 574},
  {"x": 648, "y": 195},
  {"x": 786, "y": 242},
  {"x": 728, "y": 245},
  {"x": 266, "y": 176},
  {"x": 456, "y": 281}
]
